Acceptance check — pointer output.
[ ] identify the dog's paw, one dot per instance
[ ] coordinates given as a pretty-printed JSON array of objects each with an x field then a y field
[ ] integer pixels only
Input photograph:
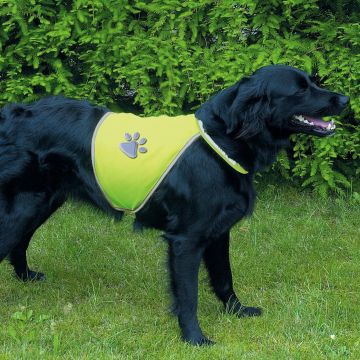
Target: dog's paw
[
  {"x": 236, "y": 308},
  {"x": 32, "y": 276},
  {"x": 247, "y": 311},
  {"x": 200, "y": 340}
]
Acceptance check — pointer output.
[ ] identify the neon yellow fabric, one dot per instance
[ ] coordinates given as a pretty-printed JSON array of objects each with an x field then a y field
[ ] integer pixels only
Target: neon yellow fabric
[
  {"x": 128, "y": 181},
  {"x": 131, "y": 155}
]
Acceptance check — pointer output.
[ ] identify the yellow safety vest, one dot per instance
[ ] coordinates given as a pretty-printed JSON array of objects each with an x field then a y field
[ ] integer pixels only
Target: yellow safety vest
[{"x": 131, "y": 155}]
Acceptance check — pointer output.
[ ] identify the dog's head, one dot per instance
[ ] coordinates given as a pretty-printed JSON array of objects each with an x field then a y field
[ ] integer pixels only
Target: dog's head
[{"x": 279, "y": 99}]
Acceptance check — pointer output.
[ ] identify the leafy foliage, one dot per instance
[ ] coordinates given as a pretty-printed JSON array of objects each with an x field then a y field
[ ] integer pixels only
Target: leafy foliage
[{"x": 170, "y": 56}]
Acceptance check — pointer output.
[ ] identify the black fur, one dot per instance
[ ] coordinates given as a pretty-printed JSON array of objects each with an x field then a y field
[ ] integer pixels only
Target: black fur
[{"x": 45, "y": 158}]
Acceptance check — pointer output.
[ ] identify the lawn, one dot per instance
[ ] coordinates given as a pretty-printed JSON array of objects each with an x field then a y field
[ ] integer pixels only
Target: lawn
[{"x": 106, "y": 294}]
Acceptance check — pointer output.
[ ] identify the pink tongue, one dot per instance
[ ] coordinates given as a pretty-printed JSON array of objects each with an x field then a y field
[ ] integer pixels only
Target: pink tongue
[{"x": 317, "y": 122}]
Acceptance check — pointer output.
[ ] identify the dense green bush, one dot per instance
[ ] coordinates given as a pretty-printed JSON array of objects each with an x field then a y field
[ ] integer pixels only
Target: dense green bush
[{"x": 171, "y": 55}]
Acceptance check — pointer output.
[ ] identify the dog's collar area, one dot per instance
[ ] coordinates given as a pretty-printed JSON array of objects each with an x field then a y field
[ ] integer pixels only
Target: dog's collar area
[{"x": 235, "y": 165}]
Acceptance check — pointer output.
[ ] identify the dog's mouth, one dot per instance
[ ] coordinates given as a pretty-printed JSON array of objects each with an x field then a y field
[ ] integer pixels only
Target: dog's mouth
[{"x": 312, "y": 125}]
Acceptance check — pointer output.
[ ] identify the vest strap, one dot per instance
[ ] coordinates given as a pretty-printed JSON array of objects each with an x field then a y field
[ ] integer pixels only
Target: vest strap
[{"x": 236, "y": 166}]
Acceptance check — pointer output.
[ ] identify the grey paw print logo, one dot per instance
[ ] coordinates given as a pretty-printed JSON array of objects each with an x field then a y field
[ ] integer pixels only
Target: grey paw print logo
[{"x": 133, "y": 145}]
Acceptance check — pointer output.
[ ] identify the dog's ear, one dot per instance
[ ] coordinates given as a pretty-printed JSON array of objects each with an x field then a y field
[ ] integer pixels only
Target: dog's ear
[{"x": 244, "y": 108}]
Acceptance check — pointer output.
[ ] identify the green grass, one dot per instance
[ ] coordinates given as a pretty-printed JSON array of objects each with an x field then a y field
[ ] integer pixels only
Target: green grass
[{"x": 106, "y": 294}]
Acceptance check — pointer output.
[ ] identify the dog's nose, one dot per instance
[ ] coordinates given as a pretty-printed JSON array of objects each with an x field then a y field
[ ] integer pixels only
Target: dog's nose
[{"x": 343, "y": 100}]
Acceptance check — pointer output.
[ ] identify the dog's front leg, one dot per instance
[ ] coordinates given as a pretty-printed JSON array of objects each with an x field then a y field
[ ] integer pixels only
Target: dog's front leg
[
  {"x": 184, "y": 261},
  {"x": 217, "y": 261}
]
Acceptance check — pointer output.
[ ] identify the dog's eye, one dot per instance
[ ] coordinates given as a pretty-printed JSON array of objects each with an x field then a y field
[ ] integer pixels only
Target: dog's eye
[
  {"x": 302, "y": 90},
  {"x": 303, "y": 85}
]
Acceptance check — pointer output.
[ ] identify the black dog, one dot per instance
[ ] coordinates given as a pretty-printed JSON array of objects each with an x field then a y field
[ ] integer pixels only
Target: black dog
[{"x": 45, "y": 158}]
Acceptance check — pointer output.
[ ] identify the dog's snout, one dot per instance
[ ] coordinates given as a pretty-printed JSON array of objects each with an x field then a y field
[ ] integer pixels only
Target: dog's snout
[
  {"x": 344, "y": 100},
  {"x": 339, "y": 100}
]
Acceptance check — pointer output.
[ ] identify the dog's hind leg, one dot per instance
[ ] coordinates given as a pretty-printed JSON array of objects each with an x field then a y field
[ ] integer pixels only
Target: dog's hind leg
[
  {"x": 217, "y": 262},
  {"x": 17, "y": 255},
  {"x": 16, "y": 211},
  {"x": 18, "y": 260},
  {"x": 20, "y": 216}
]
